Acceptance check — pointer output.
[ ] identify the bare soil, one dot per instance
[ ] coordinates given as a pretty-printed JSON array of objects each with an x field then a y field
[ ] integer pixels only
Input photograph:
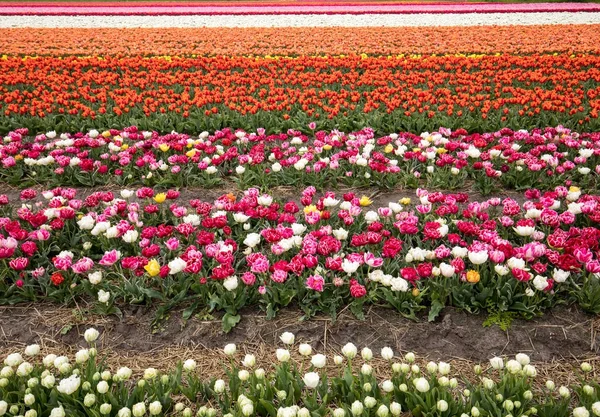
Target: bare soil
[{"x": 563, "y": 332}]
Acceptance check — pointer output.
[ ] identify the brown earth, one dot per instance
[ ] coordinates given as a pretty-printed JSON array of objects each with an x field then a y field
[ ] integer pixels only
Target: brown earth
[{"x": 562, "y": 333}]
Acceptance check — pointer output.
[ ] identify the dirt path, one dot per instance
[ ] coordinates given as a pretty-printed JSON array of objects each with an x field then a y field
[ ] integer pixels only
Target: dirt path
[{"x": 561, "y": 333}]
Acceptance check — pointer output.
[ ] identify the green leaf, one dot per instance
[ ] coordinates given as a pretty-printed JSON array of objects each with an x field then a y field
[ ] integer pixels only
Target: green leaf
[
  {"x": 268, "y": 407},
  {"x": 230, "y": 321},
  {"x": 435, "y": 310}
]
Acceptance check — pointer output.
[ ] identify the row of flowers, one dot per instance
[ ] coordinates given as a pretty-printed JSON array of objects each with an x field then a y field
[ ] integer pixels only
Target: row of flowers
[
  {"x": 327, "y": 252},
  {"x": 445, "y": 159},
  {"x": 59, "y": 386},
  {"x": 349, "y": 92},
  {"x": 293, "y": 41}
]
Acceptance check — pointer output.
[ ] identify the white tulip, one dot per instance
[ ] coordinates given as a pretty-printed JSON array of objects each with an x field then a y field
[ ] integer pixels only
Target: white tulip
[
  {"x": 497, "y": 363},
  {"x": 366, "y": 353},
  {"x": 311, "y": 380},
  {"x": 318, "y": 360},
  {"x": 91, "y": 335},
  {"x": 387, "y": 353},
  {"x": 229, "y": 349},
  {"x": 305, "y": 349},
  {"x": 14, "y": 359},
  {"x": 219, "y": 386},
  {"x": 189, "y": 365},
  {"x": 357, "y": 408},
  {"x": 103, "y": 296},
  {"x": 287, "y": 338},
  {"x": 581, "y": 412},
  {"x": 57, "y": 412},
  {"x": 124, "y": 412},
  {"x": 155, "y": 408},
  {"x": 249, "y": 361},
  {"x": 139, "y": 409},
  {"x": 349, "y": 350},
  {"x": 69, "y": 385},
  {"x": 421, "y": 384},
  {"x": 283, "y": 355},
  {"x": 176, "y": 265},
  {"x": 102, "y": 387},
  {"x": 387, "y": 386}
]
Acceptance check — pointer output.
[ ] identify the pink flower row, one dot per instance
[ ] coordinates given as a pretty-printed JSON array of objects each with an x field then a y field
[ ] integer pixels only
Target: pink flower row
[{"x": 92, "y": 8}]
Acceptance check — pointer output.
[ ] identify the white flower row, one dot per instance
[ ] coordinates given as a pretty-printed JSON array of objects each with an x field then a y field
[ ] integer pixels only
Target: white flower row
[{"x": 308, "y": 20}]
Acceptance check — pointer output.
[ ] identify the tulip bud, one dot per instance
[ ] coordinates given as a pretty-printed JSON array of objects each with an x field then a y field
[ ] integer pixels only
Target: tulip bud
[
  {"x": 339, "y": 412},
  {"x": 139, "y": 409},
  {"x": 155, "y": 408},
  {"x": 357, "y": 408},
  {"x": 105, "y": 408},
  {"x": 89, "y": 400},
  {"x": 229, "y": 349},
  {"x": 124, "y": 412},
  {"x": 219, "y": 386},
  {"x": 442, "y": 406},
  {"x": 382, "y": 411},
  {"x": 395, "y": 409},
  {"x": 387, "y": 386},
  {"x": 305, "y": 349}
]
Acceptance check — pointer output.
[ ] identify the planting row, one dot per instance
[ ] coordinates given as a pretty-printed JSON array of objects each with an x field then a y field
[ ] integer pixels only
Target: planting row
[
  {"x": 534, "y": 39},
  {"x": 227, "y": 17},
  {"x": 59, "y": 386},
  {"x": 444, "y": 159},
  {"x": 325, "y": 254},
  {"x": 351, "y": 92}
]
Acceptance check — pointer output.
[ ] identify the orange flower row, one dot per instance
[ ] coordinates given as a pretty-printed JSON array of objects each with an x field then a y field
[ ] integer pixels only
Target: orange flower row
[
  {"x": 302, "y": 41},
  {"x": 327, "y": 87}
]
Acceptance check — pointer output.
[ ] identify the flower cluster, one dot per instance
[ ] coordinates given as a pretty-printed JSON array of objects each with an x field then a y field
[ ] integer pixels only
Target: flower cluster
[
  {"x": 325, "y": 252},
  {"x": 444, "y": 159},
  {"x": 293, "y": 41},
  {"x": 411, "y": 93},
  {"x": 58, "y": 386}
]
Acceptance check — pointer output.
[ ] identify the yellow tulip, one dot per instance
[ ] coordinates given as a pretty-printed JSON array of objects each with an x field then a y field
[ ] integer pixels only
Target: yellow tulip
[
  {"x": 164, "y": 147},
  {"x": 405, "y": 201},
  {"x": 327, "y": 147},
  {"x": 152, "y": 268},
  {"x": 473, "y": 276},
  {"x": 365, "y": 201},
  {"x": 160, "y": 198},
  {"x": 389, "y": 148},
  {"x": 190, "y": 154},
  {"x": 310, "y": 209}
]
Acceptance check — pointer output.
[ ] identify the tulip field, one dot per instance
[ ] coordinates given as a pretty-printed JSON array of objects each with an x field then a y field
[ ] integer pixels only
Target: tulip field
[{"x": 299, "y": 209}]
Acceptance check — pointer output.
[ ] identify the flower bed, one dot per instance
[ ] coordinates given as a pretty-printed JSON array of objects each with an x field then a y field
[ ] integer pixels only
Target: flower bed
[
  {"x": 90, "y": 9},
  {"x": 351, "y": 92},
  {"x": 329, "y": 252},
  {"x": 445, "y": 159},
  {"x": 58, "y": 386},
  {"x": 489, "y": 40}
]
